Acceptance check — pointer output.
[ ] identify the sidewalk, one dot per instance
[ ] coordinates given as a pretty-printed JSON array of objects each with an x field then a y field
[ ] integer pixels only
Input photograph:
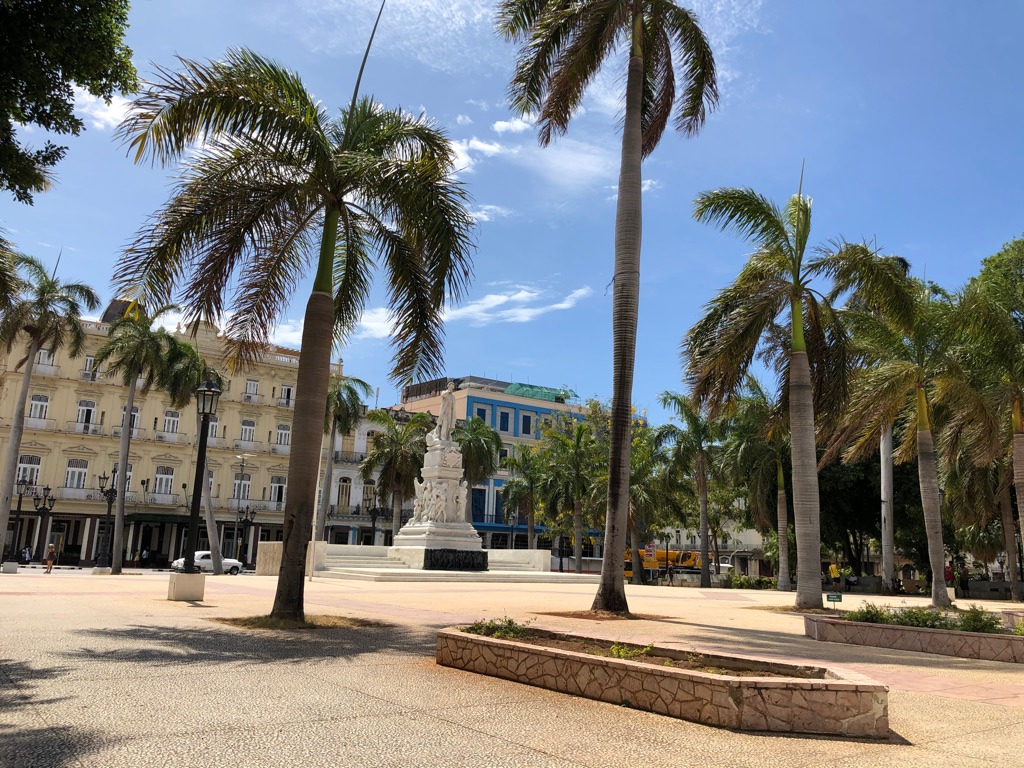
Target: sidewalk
[{"x": 103, "y": 671}]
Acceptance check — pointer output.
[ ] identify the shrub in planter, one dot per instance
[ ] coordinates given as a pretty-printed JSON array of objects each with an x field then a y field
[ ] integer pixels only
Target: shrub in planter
[{"x": 977, "y": 619}]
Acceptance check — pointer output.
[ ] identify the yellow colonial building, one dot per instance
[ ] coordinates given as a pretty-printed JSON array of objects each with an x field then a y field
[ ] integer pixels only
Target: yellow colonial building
[{"x": 74, "y": 418}]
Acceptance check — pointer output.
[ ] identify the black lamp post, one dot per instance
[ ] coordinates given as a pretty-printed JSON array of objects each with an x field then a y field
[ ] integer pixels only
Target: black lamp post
[
  {"x": 207, "y": 396},
  {"x": 110, "y": 494},
  {"x": 44, "y": 504},
  {"x": 1001, "y": 559},
  {"x": 512, "y": 520},
  {"x": 246, "y": 518},
  {"x": 22, "y": 490}
]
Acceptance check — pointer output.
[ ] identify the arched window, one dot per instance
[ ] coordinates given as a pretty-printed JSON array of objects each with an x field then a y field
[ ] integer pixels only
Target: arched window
[
  {"x": 171, "y": 422},
  {"x": 248, "y": 430},
  {"x": 284, "y": 434},
  {"x": 278, "y": 488},
  {"x": 28, "y": 469},
  {"x": 38, "y": 407},
  {"x": 369, "y": 494},
  {"x": 164, "y": 480}
]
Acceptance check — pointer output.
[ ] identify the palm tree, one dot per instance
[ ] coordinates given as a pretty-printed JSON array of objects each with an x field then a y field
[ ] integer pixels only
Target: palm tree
[
  {"x": 47, "y": 315},
  {"x": 775, "y": 281},
  {"x": 185, "y": 371},
  {"x": 522, "y": 490},
  {"x": 564, "y": 45},
  {"x": 344, "y": 408},
  {"x": 396, "y": 453},
  {"x": 10, "y": 281},
  {"x": 480, "y": 446},
  {"x": 275, "y": 187},
  {"x": 756, "y": 450},
  {"x": 894, "y": 389},
  {"x": 571, "y": 459},
  {"x": 138, "y": 352},
  {"x": 695, "y": 449}
]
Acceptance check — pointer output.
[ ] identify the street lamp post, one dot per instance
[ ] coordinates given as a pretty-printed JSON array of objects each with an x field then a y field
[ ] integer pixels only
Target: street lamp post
[
  {"x": 22, "y": 490},
  {"x": 206, "y": 402},
  {"x": 44, "y": 504},
  {"x": 110, "y": 494},
  {"x": 246, "y": 518}
]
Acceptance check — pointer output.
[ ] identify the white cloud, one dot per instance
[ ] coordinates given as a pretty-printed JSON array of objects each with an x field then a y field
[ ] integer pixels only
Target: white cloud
[
  {"x": 490, "y": 212},
  {"x": 463, "y": 120},
  {"x": 570, "y": 163},
  {"x": 99, "y": 114},
  {"x": 527, "y": 314},
  {"x": 480, "y": 104},
  {"x": 515, "y": 125},
  {"x": 375, "y": 323},
  {"x": 468, "y": 150}
]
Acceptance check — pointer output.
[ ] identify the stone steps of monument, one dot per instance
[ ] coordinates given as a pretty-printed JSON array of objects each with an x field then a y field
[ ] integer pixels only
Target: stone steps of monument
[
  {"x": 408, "y": 574},
  {"x": 364, "y": 562}
]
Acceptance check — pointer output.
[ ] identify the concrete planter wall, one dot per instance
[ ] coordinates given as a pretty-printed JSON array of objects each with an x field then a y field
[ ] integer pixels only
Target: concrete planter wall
[
  {"x": 945, "y": 642},
  {"x": 268, "y": 557},
  {"x": 838, "y": 703}
]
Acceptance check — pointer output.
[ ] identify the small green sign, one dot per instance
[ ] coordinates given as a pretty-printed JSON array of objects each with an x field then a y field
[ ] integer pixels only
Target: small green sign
[{"x": 834, "y": 597}]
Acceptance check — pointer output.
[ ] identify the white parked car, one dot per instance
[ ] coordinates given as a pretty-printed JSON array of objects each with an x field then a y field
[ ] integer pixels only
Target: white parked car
[{"x": 205, "y": 562}]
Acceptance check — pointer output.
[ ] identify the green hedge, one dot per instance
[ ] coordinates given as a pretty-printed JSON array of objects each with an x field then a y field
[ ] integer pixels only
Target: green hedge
[{"x": 974, "y": 619}]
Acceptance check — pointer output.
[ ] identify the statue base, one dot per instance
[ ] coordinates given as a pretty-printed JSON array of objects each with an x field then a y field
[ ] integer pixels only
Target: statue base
[{"x": 440, "y": 546}]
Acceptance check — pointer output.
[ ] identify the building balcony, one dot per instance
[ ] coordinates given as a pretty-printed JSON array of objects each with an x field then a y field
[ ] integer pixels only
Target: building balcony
[
  {"x": 286, "y": 402},
  {"x": 45, "y": 370},
  {"x": 251, "y": 398},
  {"x": 83, "y": 428},
  {"x": 81, "y": 494},
  {"x": 348, "y": 457},
  {"x": 281, "y": 448},
  {"x": 92, "y": 375},
  {"x": 171, "y": 437},
  {"x": 163, "y": 499},
  {"x": 255, "y": 505},
  {"x": 137, "y": 434},
  {"x": 49, "y": 425},
  {"x": 248, "y": 445},
  {"x": 216, "y": 442}
]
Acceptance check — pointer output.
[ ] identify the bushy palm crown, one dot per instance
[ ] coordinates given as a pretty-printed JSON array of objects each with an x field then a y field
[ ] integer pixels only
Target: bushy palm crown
[
  {"x": 345, "y": 403},
  {"x": 396, "y": 451},
  {"x": 136, "y": 349},
  {"x": 572, "y": 460},
  {"x": 480, "y": 445},
  {"x": 10, "y": 282},
  {"x": 522, "y": 491},
  {"x": 47, "y": 310},
  {"x": 268, "y": 172}
]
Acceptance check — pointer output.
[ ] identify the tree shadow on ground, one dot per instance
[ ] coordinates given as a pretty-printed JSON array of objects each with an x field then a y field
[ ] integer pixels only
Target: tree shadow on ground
[
  {"x": 167, "y": 646},
  {"x": 17, "y": 680},
  {"x": 50, "y": 747}
]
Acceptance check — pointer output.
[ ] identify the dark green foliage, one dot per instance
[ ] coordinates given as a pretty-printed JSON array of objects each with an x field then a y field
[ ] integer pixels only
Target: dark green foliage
[
  {"x": 748, "y": 582},
  {"x": 503, "y": 628},
  {"x": 977, "y": 619},
  {"x": 974, "y": 619},
  {"x": 46, "y": 49},
  {"x": 870, "y": 614}
]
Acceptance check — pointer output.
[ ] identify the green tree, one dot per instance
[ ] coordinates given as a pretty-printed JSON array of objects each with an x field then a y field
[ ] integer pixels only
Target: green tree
[
  {"x": 777, "y": 281},
  {"x": 138, "y": 352},
  {"x": 46, "y": 49},
  {"x": 570, "y": 458},
  {"x": 480, "y": 446},
  {"x": 277, "y": 186},
  {"x": 396, "y": 453},
  {"x": 522, "y": 490},
  {"x": 344, "y": 408},
  {"x": 564, "y": 46},
  {"x": 45, "y": 315}
]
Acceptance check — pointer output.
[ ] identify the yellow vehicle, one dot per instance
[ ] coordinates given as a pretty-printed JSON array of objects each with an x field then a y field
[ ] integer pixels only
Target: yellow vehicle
[{"x": 682, "y": 559}]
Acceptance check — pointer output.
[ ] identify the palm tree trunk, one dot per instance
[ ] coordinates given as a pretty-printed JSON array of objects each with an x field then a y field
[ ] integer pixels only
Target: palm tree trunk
[
  {"x": 325, "y": 492},
  {"x": 531, "y": 527},
  {"x": 929, "y": 479},
  {"x": 14, "y": 449},
  {"x": 307, "y": 436},
  {"x": 396, "y": 514},
  {"x": 702, "y": 493},
  {"x": 611, "y": 592},
  {"x": 1009, "y": 542},
  {"x": 888, "y": 527},
  {"x": 217, "y": 561},
  {"x": 577, "y": 533},
  {"x": 806, "y": 516},
  {"x": 782, "y": 582},
  {"x": 634, "y": 552},
  {"x": 121, "y": 481}
]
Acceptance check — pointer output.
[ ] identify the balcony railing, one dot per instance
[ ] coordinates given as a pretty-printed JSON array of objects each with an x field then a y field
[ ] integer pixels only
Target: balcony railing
[
  {"x": 250, "y": 397},
  {"x": 255, "y": 505},
  {"x": 163, "y": 499},
  {"x": 83, "y": 428},
  {"x": 137, "y": 434},
  {"x": 171, "y": 437},
  {"x": 46, "y": 370},
  {"x": 48, "y": 424},
  {"x": 92, "y": 375},
  {"x": 348, "y": 457},
  {"x": 282, "y": 448},
  {"x": 78, "y": 493},
  {"x": 248, "y": 445},
  {"x": 286, "y": 402},
  {"x": 215, "y": 442}
]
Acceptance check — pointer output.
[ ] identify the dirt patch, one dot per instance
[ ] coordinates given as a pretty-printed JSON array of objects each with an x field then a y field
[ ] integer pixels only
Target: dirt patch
[
  {"x": 311, "y": 622},
  {"x": 602, "y": 615},
  {"x": 658, "y": 657}
]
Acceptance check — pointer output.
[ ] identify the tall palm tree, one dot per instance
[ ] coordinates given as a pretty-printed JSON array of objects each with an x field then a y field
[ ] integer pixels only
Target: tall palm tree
[
  {"x": 756, "y": 450},
  {"x": 571, "y": 459},
  {"x": 185, "y": 371},
  {"x": 480, "y": 446},
  {"x": 396, "y": 453},
  {"x": 564, "y": 46},
  {"x": 47, "y": 315},
  {"x": 10, "y": 280},
  {"x": 522, "y": 490},
  {"x": 138, "y": 352},
  {"x": 777, "y": 281},
  {"x": 695, "y": 448},
  {"x": 344, "y": 408},
  {"x": 279, "y": 188},
  {"x": 895, "y": 389}
]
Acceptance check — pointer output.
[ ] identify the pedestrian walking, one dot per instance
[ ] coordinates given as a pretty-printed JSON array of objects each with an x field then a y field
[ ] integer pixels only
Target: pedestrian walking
[{"x": 51, "y": 555}]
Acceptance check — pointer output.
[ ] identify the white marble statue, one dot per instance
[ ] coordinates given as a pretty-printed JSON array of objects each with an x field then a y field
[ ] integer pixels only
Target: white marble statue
[{"x": 446, "y": 418}]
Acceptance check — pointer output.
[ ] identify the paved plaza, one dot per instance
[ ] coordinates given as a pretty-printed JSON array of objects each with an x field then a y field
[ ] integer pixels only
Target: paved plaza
[{"x": 104, "y": 671}]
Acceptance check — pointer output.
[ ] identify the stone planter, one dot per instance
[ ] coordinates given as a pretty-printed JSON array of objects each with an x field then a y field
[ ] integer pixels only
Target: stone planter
[
  {"x": 944, "y": 642},
  {"x": 815, "y": 700}
]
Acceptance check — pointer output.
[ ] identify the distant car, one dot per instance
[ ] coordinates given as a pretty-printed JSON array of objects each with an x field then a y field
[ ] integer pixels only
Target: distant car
[{"x": 205, "y": 562}]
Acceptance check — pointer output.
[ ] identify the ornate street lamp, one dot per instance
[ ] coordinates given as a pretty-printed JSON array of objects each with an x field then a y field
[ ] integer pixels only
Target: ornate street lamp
[
  {"x": 22, "y": 490},
  {"x": 44, "y": 504},
  {"x": 246, "y": 518},
  {"x": 110, "y": 494},
  {"x": 207, "y": 396}
]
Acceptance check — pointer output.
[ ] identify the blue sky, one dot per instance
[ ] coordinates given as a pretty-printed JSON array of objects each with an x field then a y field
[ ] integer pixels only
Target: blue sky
[{"x": 902, "y": 112}]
